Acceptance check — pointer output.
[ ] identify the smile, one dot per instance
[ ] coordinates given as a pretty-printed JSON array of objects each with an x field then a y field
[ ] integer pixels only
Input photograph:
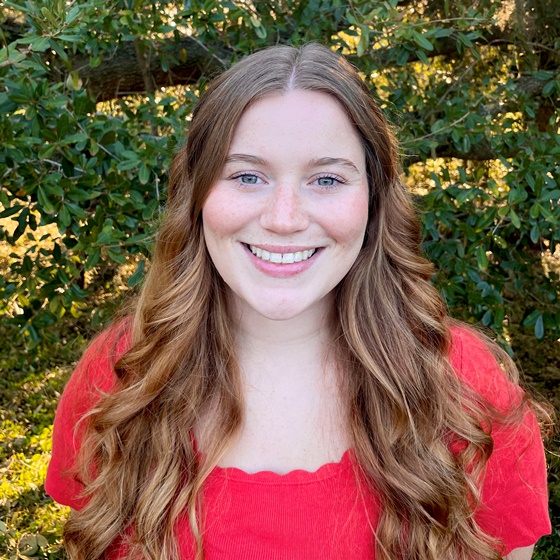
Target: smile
[{"x": 282, "y": 258}]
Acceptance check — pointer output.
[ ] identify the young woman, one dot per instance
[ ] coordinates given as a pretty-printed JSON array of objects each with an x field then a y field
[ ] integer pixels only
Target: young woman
[{"x": 289, "y": 386}]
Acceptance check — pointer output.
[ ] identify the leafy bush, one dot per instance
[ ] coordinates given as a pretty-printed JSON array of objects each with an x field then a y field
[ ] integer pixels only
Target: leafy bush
[{"x": 95, "y": 98}]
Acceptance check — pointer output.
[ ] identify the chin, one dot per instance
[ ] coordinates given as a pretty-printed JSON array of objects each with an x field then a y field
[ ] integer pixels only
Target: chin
[
  {"x": 280, "y": 314},
  {"x": 282, "y": 305},
  {"x": 277, "y": 312},
  {"x": 287, "y": 308}
]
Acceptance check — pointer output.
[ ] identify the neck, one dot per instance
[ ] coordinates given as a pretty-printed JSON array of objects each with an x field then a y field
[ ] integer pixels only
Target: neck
[
  {"x": 288, "y": 346},
  {"x": 253, "y": 328}
]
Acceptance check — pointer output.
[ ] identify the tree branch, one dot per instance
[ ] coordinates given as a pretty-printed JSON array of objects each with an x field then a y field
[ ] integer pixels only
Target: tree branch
[
  {"x": 482, "y": 151},
  {"x": 120, "y": 74}
]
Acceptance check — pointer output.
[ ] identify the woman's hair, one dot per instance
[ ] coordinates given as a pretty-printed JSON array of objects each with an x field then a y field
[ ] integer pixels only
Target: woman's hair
[{"x": 404, "y": 404}]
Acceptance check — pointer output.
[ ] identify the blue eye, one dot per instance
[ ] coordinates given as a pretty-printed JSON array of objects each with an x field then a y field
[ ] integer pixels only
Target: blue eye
[
  {"x": 247, "y": 179},
  {"x": 329, "y": 181}
]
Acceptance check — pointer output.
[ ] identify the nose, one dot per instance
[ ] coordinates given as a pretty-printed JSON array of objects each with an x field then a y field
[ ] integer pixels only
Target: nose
[{"x": 285, "y": 212}]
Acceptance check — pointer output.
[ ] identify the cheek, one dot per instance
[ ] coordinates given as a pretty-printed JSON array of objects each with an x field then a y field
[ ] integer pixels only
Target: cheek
[
  {"x": 347, "y": 221},
  {"x": 222, "y": 215}
]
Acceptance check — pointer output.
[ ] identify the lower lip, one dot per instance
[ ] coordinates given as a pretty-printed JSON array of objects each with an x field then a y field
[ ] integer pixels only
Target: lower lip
[{"x": 281, "y": 270}]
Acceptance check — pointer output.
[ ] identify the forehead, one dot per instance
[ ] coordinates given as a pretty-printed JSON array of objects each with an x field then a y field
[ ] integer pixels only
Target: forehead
[{"x": 298, "y": 124}]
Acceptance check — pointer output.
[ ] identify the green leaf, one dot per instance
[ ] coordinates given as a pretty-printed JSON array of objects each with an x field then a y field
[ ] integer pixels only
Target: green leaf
[
  {"x": 150, "y": 208},
  {"x": 350, "y": 18},
  {"x": 105, "y": 237},
  {"x": 19, "y": 98},
  {"x": 63, "y": 277},
  {"x": 30, "y": 548},
  {"x": 144, "y": 174},
  {"x": 130, "y": 154},
  {"x": 465, "y": 40},
  {"x": 421, "y": 41},
  {"x": 116, "y": 255},
  {"x": 69, "y": 38},
  {"x": 28, "y": 544},
  {"x": 47, "y": 151},
  {"x": 500, "y": 241},
  {"x": 549, "y": 88},
  {"x": 402, "y": 56},
  {"x": 64, "y": 217},
  {"x": 79, "y": 292},
  {"x": 72, "y": 14},
  {"x": 138, "y": 274},
  {"x": 74, "y": 138},
  {"x": 58, "y": 49},
  {"x": 440, "y": 32},
  {"x": 10, "y": 211},
  {"x": 517, "y": 195},
  {"x": 481, "y": 257},
  {"x": 539, "y": 327},
  {"x": 531, "y": 319},
  {"x": 422, "y": 57},
  {"x": 76, "y": 210},
  {"x": 42, "y": 541},
  {"x": 40, "y": 44},
  {"x": 76, "y": 80},
  {"x": 139, "y": 238},
  {"x": 128, "y": 164},
  {"x": 93, "y": 258},
  {"x": 543, "y": 75},
  {"x": 535, "y": 233},
  {"x": 514, "y": 219},
  {"x": 46, "y": 205},
  {"x": 363, "y": 43}
]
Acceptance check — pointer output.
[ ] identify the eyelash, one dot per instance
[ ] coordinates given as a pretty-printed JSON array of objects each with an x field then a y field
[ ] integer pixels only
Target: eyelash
[
  {"x": 338, "y": 181},
  {"x": 240, "y": 184},
  {"x": 336, "y": 178}
]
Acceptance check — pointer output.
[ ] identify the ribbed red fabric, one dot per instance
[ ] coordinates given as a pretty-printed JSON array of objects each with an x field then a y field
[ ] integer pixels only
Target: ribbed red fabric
[{"x": 326, "y": 514}]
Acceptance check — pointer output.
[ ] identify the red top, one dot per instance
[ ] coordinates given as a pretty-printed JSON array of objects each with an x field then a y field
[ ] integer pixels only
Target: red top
[{"x": 320, "y": 515}]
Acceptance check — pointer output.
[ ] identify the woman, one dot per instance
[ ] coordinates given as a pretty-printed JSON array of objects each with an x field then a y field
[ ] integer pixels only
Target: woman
[{"x": 289, "y": 386}]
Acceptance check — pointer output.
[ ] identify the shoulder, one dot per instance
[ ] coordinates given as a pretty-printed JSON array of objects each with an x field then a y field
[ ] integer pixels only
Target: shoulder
[
  {"x": 478, "y": 364},
  {"x": 93, "y": 377},
  {"x": 94, "y": 374}
]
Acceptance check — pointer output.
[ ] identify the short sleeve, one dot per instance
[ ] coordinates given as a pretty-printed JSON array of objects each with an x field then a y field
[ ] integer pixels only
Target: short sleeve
[
  {"x": 514, "y": 506},
  {"x": 94, "y": 376}
]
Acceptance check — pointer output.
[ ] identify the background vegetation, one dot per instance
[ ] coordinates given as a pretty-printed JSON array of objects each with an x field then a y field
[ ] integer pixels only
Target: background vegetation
[{"x": 96, "y": 95}]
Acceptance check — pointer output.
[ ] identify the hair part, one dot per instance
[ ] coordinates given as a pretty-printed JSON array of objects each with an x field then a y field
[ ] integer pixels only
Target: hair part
[{"x": 391, "y": 336}]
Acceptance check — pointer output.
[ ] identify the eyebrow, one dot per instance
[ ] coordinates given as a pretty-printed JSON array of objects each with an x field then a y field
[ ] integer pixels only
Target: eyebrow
[
  {"x": 321, "y": 162},
  {"x": 245, "y": 158}
]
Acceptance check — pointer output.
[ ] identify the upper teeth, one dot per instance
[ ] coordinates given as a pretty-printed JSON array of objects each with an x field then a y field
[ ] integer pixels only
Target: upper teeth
[{"x": 282, "y": 258}]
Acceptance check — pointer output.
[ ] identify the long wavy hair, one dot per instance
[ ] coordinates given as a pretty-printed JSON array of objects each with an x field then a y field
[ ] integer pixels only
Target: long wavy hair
[{"x": 403, "y": 402}]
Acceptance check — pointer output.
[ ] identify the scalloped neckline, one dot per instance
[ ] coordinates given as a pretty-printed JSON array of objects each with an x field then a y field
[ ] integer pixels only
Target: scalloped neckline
[{"x": 296, "y": 476}]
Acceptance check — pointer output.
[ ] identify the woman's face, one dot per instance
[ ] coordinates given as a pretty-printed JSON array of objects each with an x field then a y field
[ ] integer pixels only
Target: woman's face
[{"x": 286, "y": 219}]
